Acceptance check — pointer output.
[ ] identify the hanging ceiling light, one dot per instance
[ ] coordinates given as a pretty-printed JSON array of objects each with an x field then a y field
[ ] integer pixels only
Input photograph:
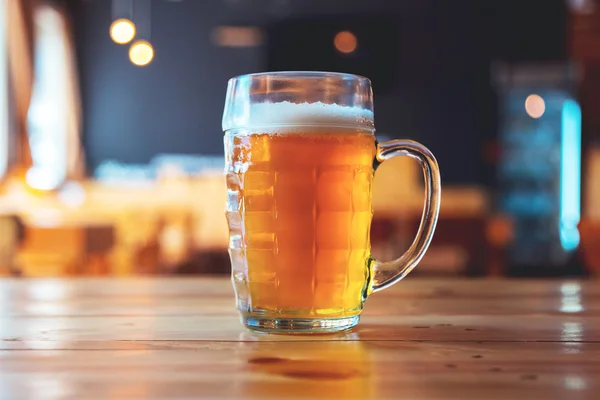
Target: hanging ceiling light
[
  {"x": 122, "y": 30},
  {"x": 141, "y": 53}
]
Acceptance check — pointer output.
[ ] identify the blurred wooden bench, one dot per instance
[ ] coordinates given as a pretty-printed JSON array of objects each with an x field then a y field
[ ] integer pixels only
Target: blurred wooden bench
[{"x": 67, "y": 250}]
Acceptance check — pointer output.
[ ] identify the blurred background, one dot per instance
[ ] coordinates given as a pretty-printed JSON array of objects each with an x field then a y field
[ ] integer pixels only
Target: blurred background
[{"x": 111, "y": 154}]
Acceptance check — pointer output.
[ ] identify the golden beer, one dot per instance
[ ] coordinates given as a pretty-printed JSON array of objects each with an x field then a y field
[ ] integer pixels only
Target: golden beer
[
  {"x": 299, "y": 149},
  {"x": 299, "y": 213}
]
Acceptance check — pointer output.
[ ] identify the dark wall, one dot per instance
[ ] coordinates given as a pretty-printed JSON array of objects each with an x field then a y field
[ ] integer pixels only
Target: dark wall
[
  {"x": 442, "y": 95},
  {"x": 172, "y": 105}
]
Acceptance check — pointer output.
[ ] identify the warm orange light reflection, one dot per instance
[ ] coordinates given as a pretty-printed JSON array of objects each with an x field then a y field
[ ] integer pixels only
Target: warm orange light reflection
[
  {"x": 535, "y": 106},
  {"x": 141, "y": 53},
  {"x": 343, "y": 369},
  {"x": 122, "y": 31},
  {"x": 345, "y": 42}
]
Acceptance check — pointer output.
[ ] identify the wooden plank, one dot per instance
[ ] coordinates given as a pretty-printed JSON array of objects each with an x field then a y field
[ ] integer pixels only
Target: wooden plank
[
  {"x": 48, "y": 289},
  {"x": 204, "y": 309},
  {"x": 181, "y": 337},
  {"x": 228, "y": 328},
  {"x": 378, "y": 304},
  {"x": 378, "y": 370}
]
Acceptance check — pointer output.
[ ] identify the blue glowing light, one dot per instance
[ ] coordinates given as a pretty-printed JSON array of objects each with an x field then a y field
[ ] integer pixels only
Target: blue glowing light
[{"x": 570, "y": 175}]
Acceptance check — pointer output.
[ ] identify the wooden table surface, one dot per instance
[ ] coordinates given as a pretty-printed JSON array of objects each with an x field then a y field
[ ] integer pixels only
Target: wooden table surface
[{"x": 181, "y": 338}]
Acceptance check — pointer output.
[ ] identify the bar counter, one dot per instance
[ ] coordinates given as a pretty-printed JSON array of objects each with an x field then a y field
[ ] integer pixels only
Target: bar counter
[{"x": 181, "y": 338}]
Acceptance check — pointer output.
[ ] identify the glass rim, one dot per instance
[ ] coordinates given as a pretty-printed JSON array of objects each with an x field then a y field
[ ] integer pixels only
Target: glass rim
[
  {"x": 330, "y": 88},
  {"x": 303, "y": 74}
]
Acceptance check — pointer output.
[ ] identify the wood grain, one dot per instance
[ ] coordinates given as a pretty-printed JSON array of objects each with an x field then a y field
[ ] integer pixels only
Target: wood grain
[{"x": 181, "y": 338}]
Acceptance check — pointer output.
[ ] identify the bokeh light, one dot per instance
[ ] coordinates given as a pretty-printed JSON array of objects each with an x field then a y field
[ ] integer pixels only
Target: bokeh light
[
  {"x": 535, "y": 106},
  {"x": 345, "y": 42},
  {"x": 122, "y": 31},
  {"x": 141, "y": 53}
]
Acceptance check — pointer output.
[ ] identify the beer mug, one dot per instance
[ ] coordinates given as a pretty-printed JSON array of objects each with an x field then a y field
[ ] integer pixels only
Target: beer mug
[{"x": 300, "y": 157}]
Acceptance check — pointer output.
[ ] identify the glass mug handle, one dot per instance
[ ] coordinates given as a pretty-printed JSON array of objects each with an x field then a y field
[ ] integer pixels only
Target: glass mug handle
[{"x": 386, "y": 273}]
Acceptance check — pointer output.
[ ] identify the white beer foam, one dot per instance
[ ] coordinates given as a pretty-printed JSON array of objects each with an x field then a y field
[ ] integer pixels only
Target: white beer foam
[{"x": 285, "y": 114}]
